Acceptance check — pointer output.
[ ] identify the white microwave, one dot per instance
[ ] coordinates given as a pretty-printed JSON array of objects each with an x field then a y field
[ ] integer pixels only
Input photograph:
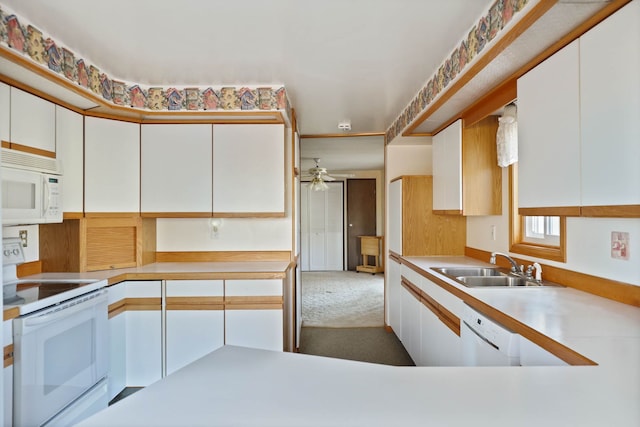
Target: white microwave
[{"x": 31, "y": 189}]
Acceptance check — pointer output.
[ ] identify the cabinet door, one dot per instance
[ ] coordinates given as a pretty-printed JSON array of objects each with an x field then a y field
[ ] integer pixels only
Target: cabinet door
[
  {"x": 253, "y": 313},
  {"x": 112, "y": 166},
  {"x": 70, "y": 151},
  {"x": 429, "y": 344},
  {"x": 447, "y": 169},
  {"x": 410, "y": 324},
  {"x": 143, "y": 333},
  {"x": 117, "y": 340},
  {"x": 194, "y": 320},
  {"x": 395, "y": 217},
  {"x": 33, "y": 121},
  {"x": 5, "y": 112},
  {"x": 7, "y": 375},
  {"x": 610, "y": 109},
  {"x": 549, "y": 132},
  {"x": 248, "y": 169},
  {"x": 394, "y": 296},
  {"x": 176, "y": 168}
]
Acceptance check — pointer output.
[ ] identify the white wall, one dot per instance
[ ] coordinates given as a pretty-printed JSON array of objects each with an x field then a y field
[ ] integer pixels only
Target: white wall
[{"x": 588, "y": 242}]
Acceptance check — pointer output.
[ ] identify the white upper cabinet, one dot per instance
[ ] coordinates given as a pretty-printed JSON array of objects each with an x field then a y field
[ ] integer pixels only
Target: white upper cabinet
[
  {"x": 249, "y": 169},
  {"x": 5, "y": 112},
  {"x": 33, "y": 121},
  {"x": 447, "y": 168},
  {"x": 610, "y": 108},
  {"x": 112, "y": 166},
  {"x": 176, "y": 168},
  {"x": 549, "y": 132},
  {"x": 70, "y": 150}
]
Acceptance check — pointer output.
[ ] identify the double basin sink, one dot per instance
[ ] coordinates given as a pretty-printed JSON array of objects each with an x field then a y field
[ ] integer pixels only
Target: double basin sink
[{"x": 481, "y": 277}]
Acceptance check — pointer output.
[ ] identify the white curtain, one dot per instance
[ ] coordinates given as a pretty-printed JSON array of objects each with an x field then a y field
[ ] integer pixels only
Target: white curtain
[{"x": 507, "y": 137}]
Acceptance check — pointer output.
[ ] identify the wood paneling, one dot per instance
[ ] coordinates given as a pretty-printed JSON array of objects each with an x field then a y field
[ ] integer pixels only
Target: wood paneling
[
  {"x": 10, "y": 313},
  {"x": 195, "y": 303},
  {"x": 621, "y": 211},
  {"x": 29, "y": 268},
  {"x": 551, "y": 211},
  {"x": 491, "y": 102},
  {"x": 31, "y": 150},
  {"x": 423, "y": 232},
  {"x": 481, "y": 175},
  {"x": 8, "y": 355},
  {"x": 61, "y": 245},
  {"x": 249, "y": 214},
  {"x": 606, "y": 288}
]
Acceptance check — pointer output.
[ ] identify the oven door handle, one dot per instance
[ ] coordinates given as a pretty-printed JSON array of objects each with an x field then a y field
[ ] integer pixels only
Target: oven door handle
[{"x": 62, "y": 312}]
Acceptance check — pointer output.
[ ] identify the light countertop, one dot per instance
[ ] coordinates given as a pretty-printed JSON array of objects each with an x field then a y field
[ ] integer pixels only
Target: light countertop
[{"x": 248, "y": 387}]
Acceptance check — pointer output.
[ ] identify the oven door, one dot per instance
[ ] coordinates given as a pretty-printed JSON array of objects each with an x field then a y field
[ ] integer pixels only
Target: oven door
[{"x": 59, "y": 354}]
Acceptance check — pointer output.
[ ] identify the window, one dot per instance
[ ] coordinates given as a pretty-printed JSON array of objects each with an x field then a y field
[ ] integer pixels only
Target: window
[{"x": 537, "y": 236}]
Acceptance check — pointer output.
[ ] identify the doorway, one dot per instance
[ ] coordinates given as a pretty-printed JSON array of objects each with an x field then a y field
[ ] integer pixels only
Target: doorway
[{"x": 361, "y": 217}]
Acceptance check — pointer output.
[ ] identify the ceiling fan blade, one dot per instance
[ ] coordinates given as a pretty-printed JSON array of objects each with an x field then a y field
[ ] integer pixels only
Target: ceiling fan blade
[
  {"x": 344, "y": 175},
  {"x": 328, "y": 178}
]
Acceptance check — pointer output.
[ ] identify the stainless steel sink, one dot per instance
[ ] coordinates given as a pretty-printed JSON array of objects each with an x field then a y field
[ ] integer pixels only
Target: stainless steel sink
[
  {"x": 469, "y": 271},
  {"x": 487, "y": 277},
  {"x": 504, "y": 281}
]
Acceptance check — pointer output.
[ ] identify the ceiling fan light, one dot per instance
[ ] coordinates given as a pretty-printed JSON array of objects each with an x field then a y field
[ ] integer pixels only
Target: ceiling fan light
[{"x": 317, "y": 184}]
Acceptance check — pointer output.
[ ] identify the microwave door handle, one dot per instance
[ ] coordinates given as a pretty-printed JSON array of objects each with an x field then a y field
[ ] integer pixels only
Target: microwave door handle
[{"x": 46, "y": 195}]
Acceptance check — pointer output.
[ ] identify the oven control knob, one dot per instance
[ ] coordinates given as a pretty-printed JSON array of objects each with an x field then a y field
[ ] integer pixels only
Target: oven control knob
[
  {"x": 7, "y": 252},
  {"x": 16, "y": 251}
]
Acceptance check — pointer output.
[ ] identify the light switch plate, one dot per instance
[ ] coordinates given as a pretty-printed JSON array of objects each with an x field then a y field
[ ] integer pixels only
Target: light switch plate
[{"x": 619, "y": 245}]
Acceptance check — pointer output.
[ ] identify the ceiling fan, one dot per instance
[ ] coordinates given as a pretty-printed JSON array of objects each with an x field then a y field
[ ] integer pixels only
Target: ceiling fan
[{"x": 319, "y": 176}]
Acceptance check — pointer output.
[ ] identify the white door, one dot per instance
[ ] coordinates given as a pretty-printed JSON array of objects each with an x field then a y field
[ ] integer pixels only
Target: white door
[{"x": 322, "y": 227}]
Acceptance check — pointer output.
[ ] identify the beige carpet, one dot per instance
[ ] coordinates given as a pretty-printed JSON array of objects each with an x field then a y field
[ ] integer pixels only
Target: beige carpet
[{"x": 342, "y": 299}]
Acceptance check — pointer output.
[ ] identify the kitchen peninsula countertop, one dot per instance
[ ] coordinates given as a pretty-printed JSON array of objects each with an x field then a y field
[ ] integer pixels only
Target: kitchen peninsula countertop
[{"x": 248, "y": 387}]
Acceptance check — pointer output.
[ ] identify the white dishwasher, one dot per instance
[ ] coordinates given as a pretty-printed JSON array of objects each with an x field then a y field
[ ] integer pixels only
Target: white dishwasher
[{"x": 486, "y": 343}]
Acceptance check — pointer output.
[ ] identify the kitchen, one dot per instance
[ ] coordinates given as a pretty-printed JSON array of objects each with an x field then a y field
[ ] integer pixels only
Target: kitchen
[{"x": 593, "y": 233}]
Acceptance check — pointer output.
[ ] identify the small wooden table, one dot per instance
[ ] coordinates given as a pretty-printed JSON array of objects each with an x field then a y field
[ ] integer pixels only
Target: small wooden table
[{"x": 370, "y": 246}]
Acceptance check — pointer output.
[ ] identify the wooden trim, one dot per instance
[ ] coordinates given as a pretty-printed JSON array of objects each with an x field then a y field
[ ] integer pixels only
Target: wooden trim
[
  {"x": 195, "y": 303},
  {"x": 10, "y": 313},
  {"x": 265, "y": 302},
  {"x": 611, "y": 289},
  {"x": 447, "y": 212},
  {"x": 203, "y": 275},
  {"x": 223, "y": 256},
  {"x": 395, "y": 257},
  {"x": 8, "y": 355},
  {"x": 31, "y": 150},
  {"x": 248, "y": 214},
  {"x": 72, "y": 215},
  {"x": 341, "y": 135},
  {"x": 29, "y": 268},
  {"x": 143, "y": 304},
  {"x": 551, "y": 211},
  {"x": 6, "y": 144},
  {"x": 175, "y": 214},
  {"x": 117, "y": 308},
  {"x": 413, "y": 289},
  {"x": 547, "y": 252},
  {"x": 496, "y": 98},
  {"x": 107, "y": 215},
  {"x": 450, "y": 320},
  {"x": 619, "y": 211},
  {"x": 536, "y": 12}
]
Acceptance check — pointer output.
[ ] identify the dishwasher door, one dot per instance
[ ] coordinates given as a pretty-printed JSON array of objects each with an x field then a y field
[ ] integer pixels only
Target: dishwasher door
[{"x": 486, "y": 343}]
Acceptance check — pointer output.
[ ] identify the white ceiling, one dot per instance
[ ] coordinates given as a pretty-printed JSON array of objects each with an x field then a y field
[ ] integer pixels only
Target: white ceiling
[{"x": 357, "y": 60}]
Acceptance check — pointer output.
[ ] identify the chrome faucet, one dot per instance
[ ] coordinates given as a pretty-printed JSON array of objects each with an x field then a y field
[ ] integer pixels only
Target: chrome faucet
[{"x": 514, "y": 266}]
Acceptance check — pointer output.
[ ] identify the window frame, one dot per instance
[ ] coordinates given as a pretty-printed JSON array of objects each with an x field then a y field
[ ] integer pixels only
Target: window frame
[{"x": 517, "y": 227}]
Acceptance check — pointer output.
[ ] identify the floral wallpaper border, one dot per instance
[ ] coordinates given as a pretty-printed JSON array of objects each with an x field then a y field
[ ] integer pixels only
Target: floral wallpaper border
[
  {"x": 498, "y": 16},
  {"x": 33, "y": 44}
]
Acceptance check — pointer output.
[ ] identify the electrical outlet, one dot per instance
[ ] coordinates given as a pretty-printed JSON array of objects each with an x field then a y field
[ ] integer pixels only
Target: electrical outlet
[
  {"x": 23, "y": 238},
  {"x": 493, "y": 232},
  {"x": 619, "y": 245}
]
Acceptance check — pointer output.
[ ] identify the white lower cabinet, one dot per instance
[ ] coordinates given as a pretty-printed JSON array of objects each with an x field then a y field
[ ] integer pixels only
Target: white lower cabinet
[
  {"x": 7, "y": 375},
  {"x": 194, "y": 320},
  {"x": 410, "y": 322},
  {"x": 143, "y": 341},
  {"x": 394, "y": 296},
  {"x": 254, "y": 313}
]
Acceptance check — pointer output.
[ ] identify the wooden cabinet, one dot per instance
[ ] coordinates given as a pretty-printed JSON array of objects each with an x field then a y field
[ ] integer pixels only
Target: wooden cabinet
[
  {"x": 466, "y": 176},
  {"x": 549, "y": 132},
  {"x": 112, "y": 166},
  {"x": 143, "y": 333},
  {"x": 176, "y": 163},
  {"x": 610, "y": 111},
  {"x": 254, "y": 313},
  {"x": 248, "y": 170},
  {"x": 194, "y": 320},
  {"x": 421, "y": 231},
  {"x": 70, "y": 151},
  {"x": 89, "y": 244},
  {"x": 33, "y": 123},
  {"x": 5, "y": 112}
]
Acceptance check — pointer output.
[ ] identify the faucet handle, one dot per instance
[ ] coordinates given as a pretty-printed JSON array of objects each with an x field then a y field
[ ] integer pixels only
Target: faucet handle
[{"x": 538, "y": 268}]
